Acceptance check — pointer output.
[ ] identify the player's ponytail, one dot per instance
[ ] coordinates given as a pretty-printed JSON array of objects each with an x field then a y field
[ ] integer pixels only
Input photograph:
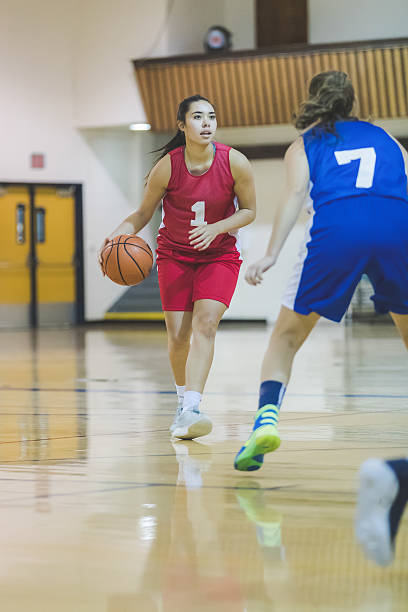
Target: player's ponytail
[
  {"x": 331, "y": 98},
  {"x": 179, "y": 139}
]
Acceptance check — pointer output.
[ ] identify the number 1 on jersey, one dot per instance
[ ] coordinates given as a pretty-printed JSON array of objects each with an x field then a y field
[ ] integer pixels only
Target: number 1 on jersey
[
  {"x": 199, "y": 209},
  {"x": 367, "y": 157}
]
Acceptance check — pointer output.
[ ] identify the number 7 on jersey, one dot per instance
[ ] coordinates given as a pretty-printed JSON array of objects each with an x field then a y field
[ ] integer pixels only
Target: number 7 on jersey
[
  {"x": 199, "y": 209},
  {"x": 367, "y": 157}
]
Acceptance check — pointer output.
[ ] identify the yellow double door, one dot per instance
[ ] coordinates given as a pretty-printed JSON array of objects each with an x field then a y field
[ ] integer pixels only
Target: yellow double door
[{"x": 37, "y": 256}]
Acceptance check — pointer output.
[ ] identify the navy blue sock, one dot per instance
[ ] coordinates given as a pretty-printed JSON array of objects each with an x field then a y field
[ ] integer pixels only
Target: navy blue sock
[
  {"x": 271, "y": 392},
  {"x": 400, "y": 467}
]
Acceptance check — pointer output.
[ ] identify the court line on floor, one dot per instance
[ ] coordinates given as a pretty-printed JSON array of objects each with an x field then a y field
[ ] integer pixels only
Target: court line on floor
[
  {"x": 80, "y": 462},
  {"x": 87, "y": 435},
  {"x": 135, "y": 486},
  {"x": 219, "y": 393}
]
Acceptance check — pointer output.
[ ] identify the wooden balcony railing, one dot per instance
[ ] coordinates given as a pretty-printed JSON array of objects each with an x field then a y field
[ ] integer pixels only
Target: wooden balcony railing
[{"x": 265, "y": 87}]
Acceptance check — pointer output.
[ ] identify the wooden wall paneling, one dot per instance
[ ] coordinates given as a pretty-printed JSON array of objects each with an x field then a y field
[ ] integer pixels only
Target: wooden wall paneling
[
  {"x": 260, "y": 85},
  {"x": 373, "y": 108},
  {"x": 175, "y": 97},
  {"x": 243, "y": 93},
  {"x": 253, "y": 94},
  {"x": 266, "y": 80},
  {"x": 390, "y": 83},
  {"x": 308, "y": 73},
  {"x": 342, "y": 59},
  {"x": 317, "y": 63},
  {"x": 363, "y": 81},
  {"x": 210, "y": 86},
  {"x": 325, "y": 59},
  {"x": 190, "y": 81},
  {"x": 335, "y": 61},
  {"x": 301, "y": 76},
  {"x": 276, "y": 89},
  {"x": 228, "y": 99},
  {"x": 154, "y": 100},
  {"x": 264, "y": 89},
  {"x": 185, "y": 90},
  {"x": 192, "y": 78},
  {"x": 294, "y": 95},
  {"x": 284, "y": 90},
  {"x": 219, "y": 94},
  {"x": 404, "y": 77},
  {"x": 206, "y": 87},
  {"x": 352, "y": 71},
  {"x": 199, "y": 79},
  {"x": 168, "y": 88},
  {"x": 176, "y": 91},
  {"x": 379, "y": 66},
  {"x": 144, "y": 90},
  {"x": 252, "y": 102},
  {"x": 162, "y": 118},
  {"x": 399, "y": 84},
  {"x": 235, "y": 94}
]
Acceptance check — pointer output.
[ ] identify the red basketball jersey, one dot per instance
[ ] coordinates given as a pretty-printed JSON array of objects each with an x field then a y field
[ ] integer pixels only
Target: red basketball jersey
[{"x": 193, "y": 200}]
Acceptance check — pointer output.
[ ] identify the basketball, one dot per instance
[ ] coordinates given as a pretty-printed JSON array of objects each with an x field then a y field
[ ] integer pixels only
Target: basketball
[{"x": 127, "y": 259}]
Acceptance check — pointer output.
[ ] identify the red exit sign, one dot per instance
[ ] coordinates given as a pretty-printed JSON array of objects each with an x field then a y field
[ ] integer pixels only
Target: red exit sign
[{"x": 37, "y": 160}]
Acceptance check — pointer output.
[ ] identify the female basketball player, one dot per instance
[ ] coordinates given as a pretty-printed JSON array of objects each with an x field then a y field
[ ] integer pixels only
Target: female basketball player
[
  {"x": 359, "y": 200},
  {"x": 208, "y": 193}
]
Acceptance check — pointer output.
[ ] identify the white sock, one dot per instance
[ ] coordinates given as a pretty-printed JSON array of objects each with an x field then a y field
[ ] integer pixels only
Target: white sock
[
  {"x": 180, "y": 391},
  {"x": 192, "y": 400}
]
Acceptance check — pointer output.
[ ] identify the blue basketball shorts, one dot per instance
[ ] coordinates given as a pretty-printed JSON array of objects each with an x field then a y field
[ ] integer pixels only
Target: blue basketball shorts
[{"x": 344, "y": 240}]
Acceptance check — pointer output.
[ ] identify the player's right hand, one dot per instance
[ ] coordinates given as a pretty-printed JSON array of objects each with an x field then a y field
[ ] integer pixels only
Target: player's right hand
[
  {"x": 254, "y": 274},
  {"x": 104, "y": 243}
]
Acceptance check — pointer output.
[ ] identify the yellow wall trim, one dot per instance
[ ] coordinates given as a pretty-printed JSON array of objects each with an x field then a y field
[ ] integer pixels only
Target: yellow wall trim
[{"x": 135, "y": 316}]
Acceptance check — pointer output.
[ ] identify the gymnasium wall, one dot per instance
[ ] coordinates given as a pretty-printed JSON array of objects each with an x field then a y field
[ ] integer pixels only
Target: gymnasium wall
[
  {"x": 352, "y": 20},
  {"x": 68, "y": 90}
]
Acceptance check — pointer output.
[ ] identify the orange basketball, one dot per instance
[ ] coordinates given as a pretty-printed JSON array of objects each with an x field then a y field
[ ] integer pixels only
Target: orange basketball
[{"x": 127, "y": 259}]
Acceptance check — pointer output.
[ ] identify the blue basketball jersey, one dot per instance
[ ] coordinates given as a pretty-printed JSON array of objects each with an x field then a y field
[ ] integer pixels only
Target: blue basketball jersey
[{"x": 362, "y": 159}]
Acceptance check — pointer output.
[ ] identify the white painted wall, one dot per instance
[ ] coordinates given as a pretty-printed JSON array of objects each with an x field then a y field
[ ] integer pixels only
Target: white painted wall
[
  {"x": 239, "y": 18},
  {"x": 36, "y": 98},
  {"x": 67, "y": 78},
  {"x": 350, "y": 20},
  {"x": 110, "y": 34}
]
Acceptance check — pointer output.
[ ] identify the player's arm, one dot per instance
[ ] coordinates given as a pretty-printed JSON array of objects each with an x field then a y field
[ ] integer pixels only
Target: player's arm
[
  {"x": 244, "y": 188},
  {"x": 293, "y": 199},
  {"x": 154, "y": 191}
]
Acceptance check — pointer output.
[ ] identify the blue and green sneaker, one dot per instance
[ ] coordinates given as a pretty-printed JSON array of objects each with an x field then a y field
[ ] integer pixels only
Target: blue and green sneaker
[{"x": 264, "y": 439}]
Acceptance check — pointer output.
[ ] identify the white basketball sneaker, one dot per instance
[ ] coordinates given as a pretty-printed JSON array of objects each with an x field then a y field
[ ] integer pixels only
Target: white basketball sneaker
[
  {"x": 176, "y": 416},
  {"x": 190, "y": 424},
  {"x": 380, "y": 505}
]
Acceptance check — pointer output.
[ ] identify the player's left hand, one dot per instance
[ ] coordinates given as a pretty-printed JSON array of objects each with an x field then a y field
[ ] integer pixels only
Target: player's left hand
[
  {"x": 202, "y": 236},
  {"x": 255, "y": 272}
]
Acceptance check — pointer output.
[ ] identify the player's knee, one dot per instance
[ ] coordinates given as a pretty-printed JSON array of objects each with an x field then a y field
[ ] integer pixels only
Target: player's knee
[
  {"x": 292, "y": 336},
  {"x": 178, "y": 340},
  {"x": 205, "y": 325}
]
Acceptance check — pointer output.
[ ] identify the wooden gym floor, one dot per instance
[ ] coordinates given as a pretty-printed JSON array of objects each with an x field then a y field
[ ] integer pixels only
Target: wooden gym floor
[{"x": 100, "y": 511}]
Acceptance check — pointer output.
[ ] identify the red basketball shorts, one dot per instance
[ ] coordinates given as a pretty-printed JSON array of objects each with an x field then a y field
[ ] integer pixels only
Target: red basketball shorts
[{"x": 185, "y": 278}]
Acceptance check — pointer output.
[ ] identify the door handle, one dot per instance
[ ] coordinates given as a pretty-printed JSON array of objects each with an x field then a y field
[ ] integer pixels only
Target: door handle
[{"x": 20, "y": 224}]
